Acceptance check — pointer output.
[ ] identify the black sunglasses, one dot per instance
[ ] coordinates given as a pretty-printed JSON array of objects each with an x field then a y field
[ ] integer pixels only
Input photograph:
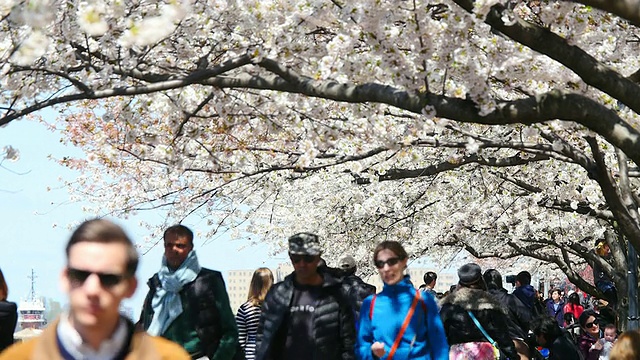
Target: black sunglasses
[
  {"x": 591, "y": 324},
  {"x": 78, "y": 277},
  {"x": 391, "y": 261},
  {"x": 306, "y": 258}
]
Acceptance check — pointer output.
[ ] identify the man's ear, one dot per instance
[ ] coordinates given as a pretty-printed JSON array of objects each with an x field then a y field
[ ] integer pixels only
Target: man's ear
[
  {"x": 65, "y": 285},
  {"x": 132, "y": 284}
]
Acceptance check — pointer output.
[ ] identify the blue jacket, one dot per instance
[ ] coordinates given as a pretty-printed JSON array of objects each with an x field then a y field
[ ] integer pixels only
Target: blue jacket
[
  {"x": 559, "y": 314},
  {"x": 425, "y": 330}
]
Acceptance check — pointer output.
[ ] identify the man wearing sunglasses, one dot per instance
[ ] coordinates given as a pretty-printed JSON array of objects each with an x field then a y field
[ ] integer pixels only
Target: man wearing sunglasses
[
  {"x": 100, "y": 273},
  {"x": 307, "y": 315},
  {"x": 188, "y": 304}
]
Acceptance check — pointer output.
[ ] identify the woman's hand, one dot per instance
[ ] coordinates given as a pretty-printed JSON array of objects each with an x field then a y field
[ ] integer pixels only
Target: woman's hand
[
  {"x": 377, "y": 348},
  {"x": 598, "y": 345}
]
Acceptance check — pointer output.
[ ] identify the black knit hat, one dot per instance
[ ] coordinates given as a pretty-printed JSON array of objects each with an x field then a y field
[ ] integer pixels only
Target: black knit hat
[{"x": 469, "y": 274}]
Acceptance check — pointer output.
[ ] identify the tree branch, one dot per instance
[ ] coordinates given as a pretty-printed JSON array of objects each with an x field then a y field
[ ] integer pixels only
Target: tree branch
[
  {"x": 627, "y": 9},
  {"x": 579, "y": 61}
]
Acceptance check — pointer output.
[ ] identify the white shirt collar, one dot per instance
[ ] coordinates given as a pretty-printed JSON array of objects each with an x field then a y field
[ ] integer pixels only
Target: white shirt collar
[{"x": 73, "y": 343}]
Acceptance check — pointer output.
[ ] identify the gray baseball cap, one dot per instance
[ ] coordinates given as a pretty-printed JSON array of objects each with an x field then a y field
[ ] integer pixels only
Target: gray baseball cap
[
  {"x": 304, "y": 244},
  {"x": 347, "y": 262}
]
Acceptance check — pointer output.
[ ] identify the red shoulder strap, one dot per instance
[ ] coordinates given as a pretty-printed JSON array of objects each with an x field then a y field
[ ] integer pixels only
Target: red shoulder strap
[
  {"x": 373, "y": 301},
  {"x": 407, "y": 319}
]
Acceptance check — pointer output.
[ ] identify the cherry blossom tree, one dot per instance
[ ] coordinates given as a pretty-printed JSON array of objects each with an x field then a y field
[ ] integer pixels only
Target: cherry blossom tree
[{"x": 502, "y": 128}]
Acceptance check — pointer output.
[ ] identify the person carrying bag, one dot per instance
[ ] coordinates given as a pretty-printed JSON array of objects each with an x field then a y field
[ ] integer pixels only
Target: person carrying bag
[
  {"x": 382, "y": 334},
  {"x": 474, "y": 321}
]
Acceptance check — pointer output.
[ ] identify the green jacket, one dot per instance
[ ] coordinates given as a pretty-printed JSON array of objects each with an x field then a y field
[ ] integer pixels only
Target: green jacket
[{"x": 210, "y": 311}]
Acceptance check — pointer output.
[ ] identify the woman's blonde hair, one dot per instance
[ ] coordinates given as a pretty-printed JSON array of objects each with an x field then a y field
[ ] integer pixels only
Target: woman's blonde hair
[
  {"x": 260, "y": 284},
  {"x": 4, "y": 290},
  {"x": 627, "y": 347}
]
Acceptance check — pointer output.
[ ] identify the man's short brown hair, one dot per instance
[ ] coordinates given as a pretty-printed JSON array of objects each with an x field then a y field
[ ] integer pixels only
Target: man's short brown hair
[{"x": 107, "y": 232}]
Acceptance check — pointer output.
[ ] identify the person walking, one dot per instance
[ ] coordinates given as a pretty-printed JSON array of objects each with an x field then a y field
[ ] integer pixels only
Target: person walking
[
  {"x": 8, "y": 315},
  {"x": 528, "y": 295},
  {"x": 555, "y": 307},
  {"x": 188, "y": 304},
  {"x": 573, "y": 306},
  {"x": 549, "y": 335},
  {"x": 356, "y": 289},
  {"x": 99, "y": 274},
  {"x": 307, "y": 315},
  {"x": 475, "y": 323},
  {"x": 518, "y": 315},
  {"x": 400, "y": 322},
  {"x": 430, "y": 279},
  {"x": 248, "y": 315}
]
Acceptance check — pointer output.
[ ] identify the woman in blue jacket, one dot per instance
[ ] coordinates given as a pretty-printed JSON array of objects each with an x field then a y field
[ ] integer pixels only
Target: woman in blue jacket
[{"x": 383, "y": 315}]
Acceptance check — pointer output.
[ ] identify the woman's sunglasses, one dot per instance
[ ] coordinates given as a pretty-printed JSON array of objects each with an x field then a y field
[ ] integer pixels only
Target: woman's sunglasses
[
  {"x": 391, "y": 261},
  {"x": 591, "y": 324}
]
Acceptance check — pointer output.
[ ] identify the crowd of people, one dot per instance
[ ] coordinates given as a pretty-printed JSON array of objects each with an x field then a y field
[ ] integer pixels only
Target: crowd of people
[{"x": 317, "y": 312}]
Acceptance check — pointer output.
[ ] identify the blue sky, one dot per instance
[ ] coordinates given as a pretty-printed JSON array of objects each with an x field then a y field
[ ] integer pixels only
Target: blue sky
[{"x": 29, "y": 212}]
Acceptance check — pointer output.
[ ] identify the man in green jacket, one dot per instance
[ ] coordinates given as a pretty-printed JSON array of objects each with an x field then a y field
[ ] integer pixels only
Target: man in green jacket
[{"x": 189, "y": 304}]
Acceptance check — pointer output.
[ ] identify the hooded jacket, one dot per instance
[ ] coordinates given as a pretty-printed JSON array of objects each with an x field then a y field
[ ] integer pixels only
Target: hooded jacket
[
  {"x": 460, "y": 328},
  {"x": 424, "y": 337},
  {"x": 526, "y": 294},
  {"x": 333, "y": 327}
]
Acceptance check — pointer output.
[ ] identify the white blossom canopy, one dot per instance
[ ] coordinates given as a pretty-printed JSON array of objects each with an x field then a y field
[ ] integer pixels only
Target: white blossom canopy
[{"x": 500, "y": 127}]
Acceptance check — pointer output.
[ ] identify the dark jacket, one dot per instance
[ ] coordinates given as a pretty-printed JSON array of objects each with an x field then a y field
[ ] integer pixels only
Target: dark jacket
[
  {"x": 211, "y": 313},
  {"x": 518, "y": 315},
  {"x": 357, "y": 290},
  {"x": 333, "y": 324},
  {"x": 8, "y": 319},
  {"x": 585, "y": 341},
  {"x": 459, "y": 326},
  {"x": 527, "y": 294},
  {"x": 556, "y": 314},
  {"x": 563, "y": 348}
]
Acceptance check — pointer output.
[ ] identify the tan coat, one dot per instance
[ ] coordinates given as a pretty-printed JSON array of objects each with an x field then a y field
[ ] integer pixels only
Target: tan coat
[{"x": 143, "y": 347}]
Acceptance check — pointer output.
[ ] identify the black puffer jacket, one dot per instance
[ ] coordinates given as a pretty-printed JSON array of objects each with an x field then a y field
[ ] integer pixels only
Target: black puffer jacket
[
  {"x": 459, "y": 326},
  {"x": 357, "y": 290},
  {"x": 518, "y": 314},
  {"x": 333, "y": 326},
  {"x": 8, "y": 319},
  {"x": 211, "y": 313}
]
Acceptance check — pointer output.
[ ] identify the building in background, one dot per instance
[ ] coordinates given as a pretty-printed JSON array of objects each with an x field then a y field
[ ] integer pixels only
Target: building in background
[{"x": 238, "y": 282}]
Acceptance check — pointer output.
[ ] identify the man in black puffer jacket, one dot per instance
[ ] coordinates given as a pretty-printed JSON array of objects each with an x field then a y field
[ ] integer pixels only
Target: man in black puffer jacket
[{"x": 306, "y": 316}]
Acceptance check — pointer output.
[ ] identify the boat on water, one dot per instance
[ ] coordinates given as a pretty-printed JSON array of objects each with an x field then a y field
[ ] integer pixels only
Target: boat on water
[{"x": 31, "y": 310}]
